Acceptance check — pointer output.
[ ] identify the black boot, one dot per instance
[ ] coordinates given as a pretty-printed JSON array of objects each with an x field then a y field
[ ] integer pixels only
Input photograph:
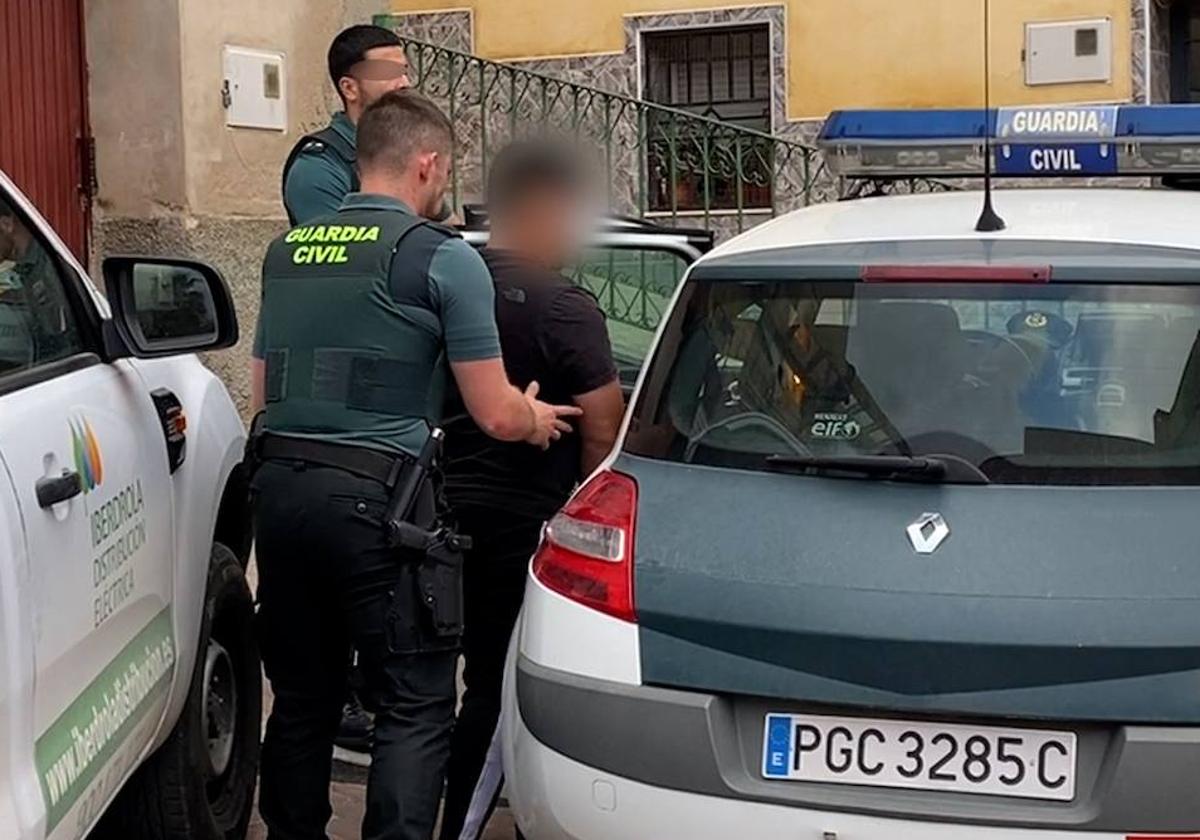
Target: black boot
[{"x": 357, "y": 728}]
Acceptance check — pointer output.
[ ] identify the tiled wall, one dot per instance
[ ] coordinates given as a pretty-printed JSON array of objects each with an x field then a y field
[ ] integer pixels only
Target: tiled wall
[{"x": 1159, "y": 59}]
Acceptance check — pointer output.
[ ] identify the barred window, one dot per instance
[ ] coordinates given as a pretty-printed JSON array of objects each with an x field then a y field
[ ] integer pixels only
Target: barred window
[
  {"x": 1184, "y": 24},
  {"x": 723, "y": 74}
]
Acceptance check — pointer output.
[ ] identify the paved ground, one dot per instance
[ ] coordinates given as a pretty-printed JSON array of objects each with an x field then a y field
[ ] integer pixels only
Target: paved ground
[
  {"x": 347, "y": 799},
  {"x": 348, "y": 788},
  {"x": 350, "y": 775}
]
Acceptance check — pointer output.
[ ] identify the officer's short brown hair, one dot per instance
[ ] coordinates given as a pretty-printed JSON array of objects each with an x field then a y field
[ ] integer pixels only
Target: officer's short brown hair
[{"x": 399, "y": 125}]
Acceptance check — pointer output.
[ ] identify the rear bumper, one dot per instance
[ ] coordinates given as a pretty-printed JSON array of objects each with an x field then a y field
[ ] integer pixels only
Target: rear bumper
[
  {"x": 561, "y": 799},
  {"x": 681, "y": 754}
]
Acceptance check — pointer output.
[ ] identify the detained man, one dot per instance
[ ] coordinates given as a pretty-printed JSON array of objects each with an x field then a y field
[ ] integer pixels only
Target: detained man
[{"x": 553, "y": 333}]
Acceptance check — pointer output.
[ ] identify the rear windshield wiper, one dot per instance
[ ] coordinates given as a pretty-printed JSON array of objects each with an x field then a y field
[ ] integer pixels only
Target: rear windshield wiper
[{"x": 930, "y": 468}]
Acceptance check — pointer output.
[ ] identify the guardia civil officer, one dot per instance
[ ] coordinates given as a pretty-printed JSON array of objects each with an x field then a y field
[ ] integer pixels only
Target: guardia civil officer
[
  {"x": 365, "y": 62},
  {"x": 363, "y": 312}
]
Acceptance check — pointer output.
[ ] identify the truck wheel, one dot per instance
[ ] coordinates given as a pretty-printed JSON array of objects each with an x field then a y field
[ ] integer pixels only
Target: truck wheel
[{"x": 200, "y": 784}]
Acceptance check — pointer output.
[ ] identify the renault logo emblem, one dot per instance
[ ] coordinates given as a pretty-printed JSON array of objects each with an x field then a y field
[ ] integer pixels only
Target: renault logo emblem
[{"x": 927, "y": 533}]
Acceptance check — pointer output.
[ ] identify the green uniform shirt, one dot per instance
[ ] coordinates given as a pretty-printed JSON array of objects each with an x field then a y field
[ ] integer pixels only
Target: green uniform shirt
[
  {"x": 460, "y": 318},
  {"x": 319, "y": 180}
]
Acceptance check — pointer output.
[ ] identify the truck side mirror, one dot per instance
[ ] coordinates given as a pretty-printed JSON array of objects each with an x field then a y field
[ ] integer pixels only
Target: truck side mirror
[{"x": 165, "y": 307}]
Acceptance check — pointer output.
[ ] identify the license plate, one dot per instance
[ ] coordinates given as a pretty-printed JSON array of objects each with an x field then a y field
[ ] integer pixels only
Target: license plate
[{"x": 996, "y": 761}]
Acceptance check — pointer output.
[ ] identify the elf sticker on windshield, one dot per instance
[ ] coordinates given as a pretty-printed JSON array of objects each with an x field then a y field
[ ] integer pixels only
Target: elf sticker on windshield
[
  {"x": 832, "y": 426},
  {"x": 86, "y": 451}
]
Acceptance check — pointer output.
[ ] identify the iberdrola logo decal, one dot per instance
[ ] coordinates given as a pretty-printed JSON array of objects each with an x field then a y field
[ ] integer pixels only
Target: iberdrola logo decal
[{"x": 87, "y": 454}]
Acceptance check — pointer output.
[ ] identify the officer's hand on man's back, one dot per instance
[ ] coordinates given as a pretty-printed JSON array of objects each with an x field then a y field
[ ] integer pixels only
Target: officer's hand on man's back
[{"x": 549, "y": 424}]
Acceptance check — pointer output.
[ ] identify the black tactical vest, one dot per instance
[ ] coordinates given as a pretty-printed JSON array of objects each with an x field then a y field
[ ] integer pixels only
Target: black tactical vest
[
  {"x": 346, "y": 359},
  {"x": 326, "y": 138}
]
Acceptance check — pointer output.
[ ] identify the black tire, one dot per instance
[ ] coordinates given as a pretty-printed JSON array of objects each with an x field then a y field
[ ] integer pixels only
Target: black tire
[{"x": 177, "y": 794}]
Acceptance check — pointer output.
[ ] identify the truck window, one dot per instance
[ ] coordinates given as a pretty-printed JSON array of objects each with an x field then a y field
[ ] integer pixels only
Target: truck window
[{"x": 37, "y": 323}]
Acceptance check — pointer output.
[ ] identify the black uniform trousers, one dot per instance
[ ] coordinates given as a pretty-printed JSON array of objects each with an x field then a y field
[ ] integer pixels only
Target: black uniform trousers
[
  {"x": 494, "y": 577},
  {"x": 328, "y": 580}
]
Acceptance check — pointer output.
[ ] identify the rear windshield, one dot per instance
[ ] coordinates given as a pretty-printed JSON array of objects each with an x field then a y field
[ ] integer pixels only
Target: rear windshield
[{"x": 1038, "y": 383}]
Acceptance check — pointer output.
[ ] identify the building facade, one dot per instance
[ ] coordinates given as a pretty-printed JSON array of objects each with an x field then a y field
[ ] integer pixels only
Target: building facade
[
  {"x": 822, "y": 54},
  {"x": 172, "y": 118},
  {"x": 776, "y": 68}
]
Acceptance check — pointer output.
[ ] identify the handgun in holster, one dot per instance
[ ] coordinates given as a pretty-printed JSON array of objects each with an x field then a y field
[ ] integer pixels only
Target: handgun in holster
[{"x": 439, "y": 577}]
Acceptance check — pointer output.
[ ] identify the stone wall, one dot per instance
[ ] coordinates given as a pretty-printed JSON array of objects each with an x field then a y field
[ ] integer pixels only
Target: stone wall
[{"x": 173, "y": 178}]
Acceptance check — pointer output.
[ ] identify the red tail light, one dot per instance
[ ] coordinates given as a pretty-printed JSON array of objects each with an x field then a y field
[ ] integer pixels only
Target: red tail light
[{"x": 587, "y": 550}]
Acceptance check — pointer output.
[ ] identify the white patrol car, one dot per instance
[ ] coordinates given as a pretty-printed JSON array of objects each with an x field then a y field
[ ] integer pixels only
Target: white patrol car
[
  {"x": 130, "y": 687},
  {"x": 898, "y": 540}
]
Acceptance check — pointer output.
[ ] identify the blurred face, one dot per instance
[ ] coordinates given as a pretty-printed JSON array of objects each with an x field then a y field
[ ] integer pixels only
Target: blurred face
[
  {"x": 553, "y": 221},
  {"x": 382, "y": 70}
]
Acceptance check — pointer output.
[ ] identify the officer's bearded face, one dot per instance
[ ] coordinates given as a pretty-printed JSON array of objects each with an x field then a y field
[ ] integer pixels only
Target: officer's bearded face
[{"x": 382, "y": 70}]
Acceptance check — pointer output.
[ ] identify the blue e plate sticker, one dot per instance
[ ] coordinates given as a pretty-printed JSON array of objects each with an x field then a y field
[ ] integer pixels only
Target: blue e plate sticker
[
  {"x": 1052, "y": 141},
  {"x": 779, "y": 746}
]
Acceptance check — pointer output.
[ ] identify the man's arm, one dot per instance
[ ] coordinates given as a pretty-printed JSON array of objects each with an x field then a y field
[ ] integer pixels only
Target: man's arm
[
  {"x": 575, "y": 341},
  {"x": 499, "y": 409},
  {"x": 317, "y": 184},
  {"x": 603, "y": 409}
]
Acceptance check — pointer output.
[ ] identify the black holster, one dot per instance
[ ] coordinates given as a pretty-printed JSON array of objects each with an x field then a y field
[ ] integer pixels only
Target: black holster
[
  {"x": 440, "y": 581},
  {"x": 439, "y": 574},
  {"x": 439, "y": 571}
]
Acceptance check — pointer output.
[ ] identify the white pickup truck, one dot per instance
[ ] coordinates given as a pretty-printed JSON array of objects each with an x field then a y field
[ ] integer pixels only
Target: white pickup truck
[{"x": 130, "y": 685}]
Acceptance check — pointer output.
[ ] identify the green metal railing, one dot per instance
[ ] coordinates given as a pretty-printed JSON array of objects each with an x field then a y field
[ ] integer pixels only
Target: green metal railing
[{"x": 656, "y": 161}]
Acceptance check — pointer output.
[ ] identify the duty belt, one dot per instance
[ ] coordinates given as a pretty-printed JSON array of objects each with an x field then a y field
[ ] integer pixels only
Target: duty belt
[{"x": 363, "y": 462}]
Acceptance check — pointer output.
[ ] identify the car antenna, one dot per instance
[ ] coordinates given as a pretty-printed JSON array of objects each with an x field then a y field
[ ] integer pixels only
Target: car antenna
[{"x": 989, "y": 219}]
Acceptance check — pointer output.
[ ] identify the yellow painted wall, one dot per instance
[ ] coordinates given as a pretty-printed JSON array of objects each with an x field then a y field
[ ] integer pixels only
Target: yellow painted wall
[{"x": 841, "y": 53}]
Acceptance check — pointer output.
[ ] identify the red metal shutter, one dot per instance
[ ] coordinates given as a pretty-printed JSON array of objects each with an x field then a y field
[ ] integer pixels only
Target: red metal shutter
[{"x": 45, "y": 145}]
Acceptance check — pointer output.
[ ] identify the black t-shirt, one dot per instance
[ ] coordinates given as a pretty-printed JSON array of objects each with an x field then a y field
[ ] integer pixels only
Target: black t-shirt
[{"x": 551, "y": 332}]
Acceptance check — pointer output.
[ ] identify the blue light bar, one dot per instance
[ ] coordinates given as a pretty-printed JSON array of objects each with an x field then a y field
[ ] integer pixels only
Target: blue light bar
[
  {"x": 1036, "y": 141},
  {"x": 908, "y": 125}
]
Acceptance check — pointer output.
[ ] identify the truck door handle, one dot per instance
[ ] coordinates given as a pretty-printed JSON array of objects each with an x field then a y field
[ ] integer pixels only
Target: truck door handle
[{"x": 54, "y": 489}]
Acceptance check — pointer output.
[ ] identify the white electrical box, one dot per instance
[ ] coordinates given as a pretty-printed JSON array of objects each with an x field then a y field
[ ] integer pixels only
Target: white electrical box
[
  {"x": 254, "y": 91},
  {"x": 1063, "y": 52}
]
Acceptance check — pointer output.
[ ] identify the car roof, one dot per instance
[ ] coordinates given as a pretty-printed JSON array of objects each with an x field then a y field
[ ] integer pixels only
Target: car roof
[
  {"x": 475, "y": 218},
  {"x": 1130, "y": 216}
]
